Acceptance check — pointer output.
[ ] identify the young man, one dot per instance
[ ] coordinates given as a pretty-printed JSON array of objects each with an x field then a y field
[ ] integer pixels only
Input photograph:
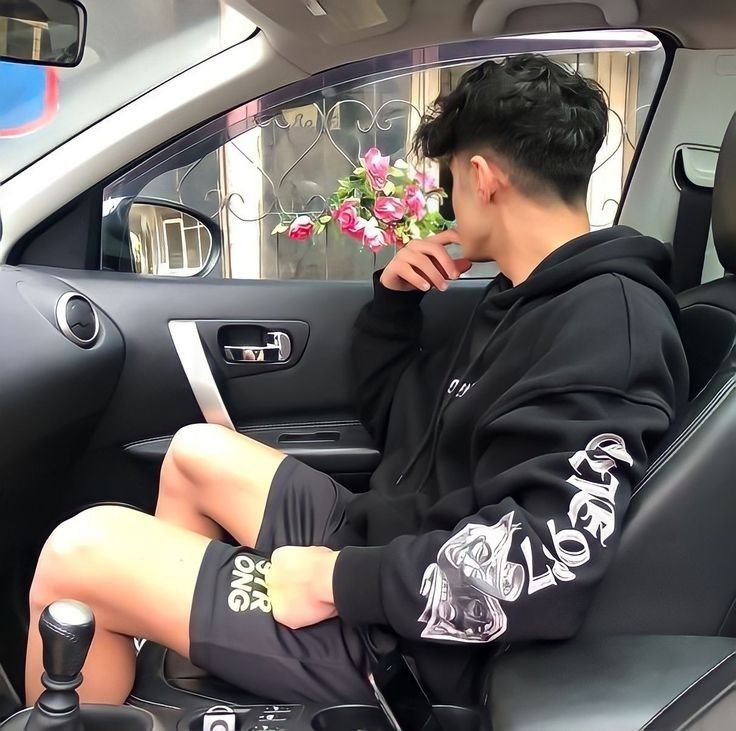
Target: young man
[{"x": 508, "y": 456}]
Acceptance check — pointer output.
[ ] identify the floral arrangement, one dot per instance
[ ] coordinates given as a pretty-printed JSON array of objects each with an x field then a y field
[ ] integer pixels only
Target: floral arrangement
[{"x": 379, "y": 204}]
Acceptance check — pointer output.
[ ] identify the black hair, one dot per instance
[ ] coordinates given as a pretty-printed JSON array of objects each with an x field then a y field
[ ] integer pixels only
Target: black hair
[{"x": 545, "y": 122}]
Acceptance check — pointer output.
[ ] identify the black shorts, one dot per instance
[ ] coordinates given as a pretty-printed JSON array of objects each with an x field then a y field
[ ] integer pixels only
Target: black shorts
[{"x": 231, "y": 630}]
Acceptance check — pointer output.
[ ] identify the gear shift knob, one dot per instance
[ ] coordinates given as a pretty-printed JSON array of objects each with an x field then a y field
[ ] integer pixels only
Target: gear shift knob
[{"x": 66, "y": 628}]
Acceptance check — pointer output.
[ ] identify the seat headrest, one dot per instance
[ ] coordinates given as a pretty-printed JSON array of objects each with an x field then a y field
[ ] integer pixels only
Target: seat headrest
[{"x": 724, "y": 200}]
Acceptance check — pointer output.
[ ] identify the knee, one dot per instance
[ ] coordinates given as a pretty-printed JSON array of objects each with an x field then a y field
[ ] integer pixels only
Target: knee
[
  {"x": 192, "y": 448},
  {"x": 70, "y": 555}
]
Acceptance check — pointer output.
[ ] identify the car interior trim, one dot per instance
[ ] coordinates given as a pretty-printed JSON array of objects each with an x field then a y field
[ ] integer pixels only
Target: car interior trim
[
  {"x": 680, "y": 697},
  {"x": 691, "y": 429},
  {"x": 255, "y": 428},
  {"x": 63, "y": 322},
  {"x": 133, "y": 697},
  {"x": 492, "y": 15},
  {"x": 698, "y": 163},
  {"x": 188, "y": 345},
  {"x": 651, "y": 201}
]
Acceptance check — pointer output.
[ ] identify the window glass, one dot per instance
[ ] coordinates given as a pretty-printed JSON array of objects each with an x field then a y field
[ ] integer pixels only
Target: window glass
[
  {"x": 130, "y": 47},
  {"x": 284, "y": 154}
]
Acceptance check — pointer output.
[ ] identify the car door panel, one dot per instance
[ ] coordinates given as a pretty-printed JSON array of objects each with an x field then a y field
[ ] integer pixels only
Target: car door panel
[
  {"x": 303, "y": 406},
  {"x": 342, "y": 449}
]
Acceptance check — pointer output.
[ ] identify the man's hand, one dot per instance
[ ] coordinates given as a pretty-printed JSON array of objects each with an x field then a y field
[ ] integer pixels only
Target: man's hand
[
  {"x": 300, "y": 585},
  {"x": 424, "y": 263}
]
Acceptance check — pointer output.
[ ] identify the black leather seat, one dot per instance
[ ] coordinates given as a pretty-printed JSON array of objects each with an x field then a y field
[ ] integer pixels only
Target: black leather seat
[{"x": 675, "y": 570}]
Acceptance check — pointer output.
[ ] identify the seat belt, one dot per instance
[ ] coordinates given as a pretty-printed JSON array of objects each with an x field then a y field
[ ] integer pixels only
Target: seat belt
[
  {"x": 689, "y": 242},
  {"x": 695, "y": 172}
]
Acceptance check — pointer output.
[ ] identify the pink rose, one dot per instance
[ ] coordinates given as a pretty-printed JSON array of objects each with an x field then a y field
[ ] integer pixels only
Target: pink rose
[
  {"x": 377, "y": 167},
  {"x": 389, "y": 209},
  {"x": 301, "y": 228},
  {"x": 348, "y": 219},
  {"x": 390, "y": 236},
  {"x": 415, "y": 201},
  {"x": 373, "y": 238}
]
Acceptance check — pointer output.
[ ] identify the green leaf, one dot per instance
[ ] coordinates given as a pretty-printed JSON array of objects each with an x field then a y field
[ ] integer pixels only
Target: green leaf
[
  {"x": 325, "y": 219},
  {"x": 404, "y": 237},
  {"x": 424, "y": 229},
  {"x": 389, "y": 188},
  {"x": 400, "y": 176},
  {"x": 280, "y": 228},
  {"x": 359, "y": 172}
]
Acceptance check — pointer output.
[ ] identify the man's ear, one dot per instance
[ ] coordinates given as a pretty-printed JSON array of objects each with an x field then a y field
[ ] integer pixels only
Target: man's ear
[{"x": 488, "y": 177}]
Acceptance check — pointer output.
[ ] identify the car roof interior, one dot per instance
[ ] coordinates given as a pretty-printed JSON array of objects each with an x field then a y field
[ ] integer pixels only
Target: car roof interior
[{"x": 371, "y": 27}]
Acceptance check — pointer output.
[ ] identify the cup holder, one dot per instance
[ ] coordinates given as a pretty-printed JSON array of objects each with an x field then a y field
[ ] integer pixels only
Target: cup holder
[{"x": 371, "y": 718}]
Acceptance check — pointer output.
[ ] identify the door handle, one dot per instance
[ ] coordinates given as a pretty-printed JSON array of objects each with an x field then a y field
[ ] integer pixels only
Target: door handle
[{"x": 276, "y": 350}]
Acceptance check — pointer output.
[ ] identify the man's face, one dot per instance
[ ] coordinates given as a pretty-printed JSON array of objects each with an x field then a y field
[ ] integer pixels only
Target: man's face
[{"x": 473, "y": 212}]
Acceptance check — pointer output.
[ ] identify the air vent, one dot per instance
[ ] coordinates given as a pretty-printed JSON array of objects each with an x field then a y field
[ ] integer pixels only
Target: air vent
[{"x": 77, "y": 319}]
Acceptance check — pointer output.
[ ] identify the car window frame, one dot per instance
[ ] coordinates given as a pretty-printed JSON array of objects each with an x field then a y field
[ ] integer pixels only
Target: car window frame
[{"x": 200, "y": 135}]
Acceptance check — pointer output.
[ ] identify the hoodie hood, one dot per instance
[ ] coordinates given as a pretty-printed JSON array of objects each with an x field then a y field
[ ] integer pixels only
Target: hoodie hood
[{"x": 617, "y": 250}]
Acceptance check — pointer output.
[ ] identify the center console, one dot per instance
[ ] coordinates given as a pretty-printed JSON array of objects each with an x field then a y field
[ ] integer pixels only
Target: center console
[
  {"x": 295, "y": 717},
  {"x": 615, "y": 683}
]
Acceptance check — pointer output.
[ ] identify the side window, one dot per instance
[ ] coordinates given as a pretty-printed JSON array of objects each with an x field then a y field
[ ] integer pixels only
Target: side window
[{"x": 212, "y": 202}]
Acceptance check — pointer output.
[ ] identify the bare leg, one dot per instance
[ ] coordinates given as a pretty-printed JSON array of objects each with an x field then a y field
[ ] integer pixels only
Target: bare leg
[
  {"x": 214, "y": 478},
  {"x": 138, "y": 576}
]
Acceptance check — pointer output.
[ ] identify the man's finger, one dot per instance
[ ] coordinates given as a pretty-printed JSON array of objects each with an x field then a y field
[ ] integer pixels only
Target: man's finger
[
  {"x": 444, "y": 237},
  {"x": 426, "y": 267},
  {"x": 463, "y": 265},
  {"x": 440, "y": 255},
  {"x": 416, "y": 280}
]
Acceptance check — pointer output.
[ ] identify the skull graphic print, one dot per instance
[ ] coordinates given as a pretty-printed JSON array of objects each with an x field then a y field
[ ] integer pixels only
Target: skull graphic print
[{"x": 464, "y": 587}]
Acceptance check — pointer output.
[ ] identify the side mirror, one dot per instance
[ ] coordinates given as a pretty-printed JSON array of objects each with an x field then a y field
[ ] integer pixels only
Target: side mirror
[
  {"x": 171, "y": 240},
  {"x": 42, "y": 32}
]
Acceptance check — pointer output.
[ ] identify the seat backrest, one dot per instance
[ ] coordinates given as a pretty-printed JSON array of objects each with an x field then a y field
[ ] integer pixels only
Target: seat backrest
[{"x": 675, "y": 569}]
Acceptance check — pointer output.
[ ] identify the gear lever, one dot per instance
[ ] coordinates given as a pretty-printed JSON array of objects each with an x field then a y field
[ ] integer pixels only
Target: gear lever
[{"x": 67, "y": 628}]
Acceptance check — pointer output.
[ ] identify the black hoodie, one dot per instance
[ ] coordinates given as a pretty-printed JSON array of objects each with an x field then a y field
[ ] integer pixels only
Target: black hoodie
[{"x": 509, "y": 455}]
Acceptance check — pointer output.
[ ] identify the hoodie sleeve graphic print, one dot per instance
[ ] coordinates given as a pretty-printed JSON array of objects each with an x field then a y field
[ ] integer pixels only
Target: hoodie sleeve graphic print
[
  {"x": 473, "y": 575},
  {"x": 524, "y": 565}
]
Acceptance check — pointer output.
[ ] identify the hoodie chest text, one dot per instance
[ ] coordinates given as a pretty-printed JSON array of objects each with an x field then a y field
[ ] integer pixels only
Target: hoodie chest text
[{"x": 456, "y": 389}]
